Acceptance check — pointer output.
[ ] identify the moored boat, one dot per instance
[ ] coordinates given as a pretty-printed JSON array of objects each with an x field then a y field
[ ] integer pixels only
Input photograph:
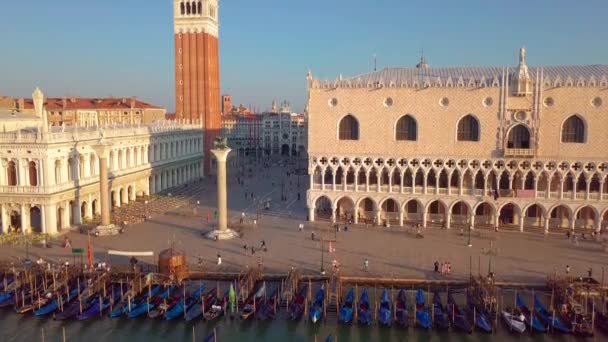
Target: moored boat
[
  {"x": 530, "y": 319},
  {"x": 423, "y": 319},
  {"x": 268, "y": 307},
  {"x": 385, "y": 314},
  {"x": 316, "y": 308},
  {"x": 252, "y": 303},
  {"x": 551, "y": 319},
  {"x": 296, "y": 309},
  {"x": 513, "y": 323},
  {"x": 346, "y": 310},
  {"x": 180, "y": 308},
  {"x": 364, "y": 314},
  {"x": 402, "y": 317},
  {"x": 457, "y": 316},
  {"x": 482, "y": 321},
  {"x": 440, "y": 315}
]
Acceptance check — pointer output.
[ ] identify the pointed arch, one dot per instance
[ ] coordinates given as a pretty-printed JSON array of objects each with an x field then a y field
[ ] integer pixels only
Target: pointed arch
[
  {"x": 574, "y": 130},
  {"x": 443, "y": 179},
  {"x": 560, "y": 216},
  {"x": 406, "y": 129},
  {"x": 468, "y": 129},
  {"x": 348, "y": 128},
  {"x": 519, "y": 137}
]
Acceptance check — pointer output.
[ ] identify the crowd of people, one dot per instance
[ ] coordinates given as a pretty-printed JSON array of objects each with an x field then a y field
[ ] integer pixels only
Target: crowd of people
[{"x": 445, "y": 268}]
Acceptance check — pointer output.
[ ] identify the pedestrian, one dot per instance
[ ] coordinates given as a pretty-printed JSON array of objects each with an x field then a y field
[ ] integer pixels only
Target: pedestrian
[
  {"x": 262, "y": 244},
  {"x": 442, "y": 268},
  {"x": 436, "y": 264},
  {"x": 449, "y": 267},
  {"x": 252, "y": 250},
  {"x": 255, "y": 223},
  {"x": 461, "y": 232},
  {"x": 567, "y": 269},
  {"x": 568, "y": 235},
  {"x": 301, "y": 227},
  {"x": 200, "y": 261},
  {"x": 219, "y": 259},
  {"x": 496, "y": 229},
  {"x": 590, "y": 273},
  {"x": 298, "y": 196},
  {"x": 312, "y": 236},
  {"x": 366, "y": 265},
  {"x": 245, "y": 248}
]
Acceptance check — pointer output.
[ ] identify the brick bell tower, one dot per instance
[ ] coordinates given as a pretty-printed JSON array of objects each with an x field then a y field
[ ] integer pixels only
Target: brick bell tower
[{"x": 197, "y": 68}]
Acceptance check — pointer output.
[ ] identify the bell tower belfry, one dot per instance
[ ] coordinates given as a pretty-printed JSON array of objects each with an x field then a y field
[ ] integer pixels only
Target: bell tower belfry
[{"x": 197, "y": 70}]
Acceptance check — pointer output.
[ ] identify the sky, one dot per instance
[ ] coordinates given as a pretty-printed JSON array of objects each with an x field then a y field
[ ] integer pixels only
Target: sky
[{"x": 124, "y": 48}]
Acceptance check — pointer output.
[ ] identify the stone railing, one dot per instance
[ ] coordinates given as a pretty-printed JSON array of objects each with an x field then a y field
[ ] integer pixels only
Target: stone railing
[
  {"x": 60, "y": 134},
  {"x": 520, "y": 152}
]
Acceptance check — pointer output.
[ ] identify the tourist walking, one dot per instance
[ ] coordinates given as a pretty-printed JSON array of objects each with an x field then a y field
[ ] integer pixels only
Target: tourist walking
[
  {"x": 219, "y": 259},
  {"x": 436, "y": 264},
  {"x": 567, "y": 269},
  {"x": 366, "y": 265},
  {"x": 301, "y": 226}
]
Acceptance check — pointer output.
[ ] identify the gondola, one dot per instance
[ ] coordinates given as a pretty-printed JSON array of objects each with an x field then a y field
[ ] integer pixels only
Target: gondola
[
  {"x": 149, "y": 302},
  {"x": 478, "y": 316},
  {"x": 457, "y": 316},
  {"x": 75, "y": 308},
  {"x": 531, "y": 320},
  {"x": 423, "y": 319},
  {"x": 296, "y": 309},
  {"x": 101, "y": 304},
  {"x": 440, "y": 316},
  {"x": 196, "y": 310},
  {"x": 513, "y": 322},
  {"x": 63, "y": 298},
  {"x": 316, "y": 308},
  {"x": 601, "y": 319},
  {"x": 553, "y": 320},
  {"x": 6, "y": 282},
  {"x": 128, "y": 304},
  {"x": 385, "y": 314},
  {"x": 164, "y": 302},
  {"x": 216, "y": 308},
  {"x": 346, "y": 310},
  {"x": 402, "y": 317},
  {"x": 180, "y": 308},
  {"x": 364, "y": 312},
  {"x": 268, "y": 307},
  {"x": 252, "y": 303}
]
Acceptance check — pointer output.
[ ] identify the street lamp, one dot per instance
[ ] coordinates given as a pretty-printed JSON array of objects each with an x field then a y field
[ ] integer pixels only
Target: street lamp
[
  {"x": 322, "y": 255},
  {"x": 145, "y": 210},
  {"x": 469, "y": 244}
]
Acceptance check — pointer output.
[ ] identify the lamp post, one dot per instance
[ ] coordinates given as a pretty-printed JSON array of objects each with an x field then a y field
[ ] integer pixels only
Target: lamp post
[
  {"x": 322, "y": 255},
  {"x": 145, "y": 210},
  {"x": 469, "y": 244}
]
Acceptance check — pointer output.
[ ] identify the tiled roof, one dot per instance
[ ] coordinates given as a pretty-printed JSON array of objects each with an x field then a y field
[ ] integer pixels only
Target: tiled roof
[
  {"x": 91, "y": 103},
  {"x": 409, "y": 76}
]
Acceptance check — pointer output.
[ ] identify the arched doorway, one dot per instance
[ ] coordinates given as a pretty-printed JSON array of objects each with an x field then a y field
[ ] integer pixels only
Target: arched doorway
[
  {"x": 130, "y": 191},
  {"x": 35, "y": 219},
  {"x": 345, "y": 209},
  {"x": 60, "y": 213},
  {"x": 413, "y": 210},
  {"x": 94, "y": 207},
  {"x": 15, "y": 220},
  {"x": 120, "y": 196},
  {"x": 436, "y": 212},
  {"x": 83, "y": 211},
  {"x": 560, "y": 217},
  {"x": 389, "y": 211},
  {"x": 585, "y": 218},
  {"x": 484, "y": 214},
  {"x": 508, "y": 215},
  {"x": 11, "y": 173},
  {"x": 533, "y": 216},
  {"x": 604, "y": 224},
  {"x": 460, "y": 214},
  {"x": 113, "y": 198},
  {"x": 366, "y": 210},
  {"x": 323, "y": 208},
  {"x": 285, "y": 150}
]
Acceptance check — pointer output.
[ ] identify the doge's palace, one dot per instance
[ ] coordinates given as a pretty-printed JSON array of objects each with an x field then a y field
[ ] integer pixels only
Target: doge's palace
[
  {"x": 49, "y": 175},
  {"x": 516, "y": 146}
]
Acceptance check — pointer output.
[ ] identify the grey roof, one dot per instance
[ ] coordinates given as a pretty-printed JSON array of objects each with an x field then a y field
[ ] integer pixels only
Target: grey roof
[{"x": 400, "y": 76}]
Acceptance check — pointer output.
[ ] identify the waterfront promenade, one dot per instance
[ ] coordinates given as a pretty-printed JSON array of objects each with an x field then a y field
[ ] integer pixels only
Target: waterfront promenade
[{"x": 392, "y": 252}]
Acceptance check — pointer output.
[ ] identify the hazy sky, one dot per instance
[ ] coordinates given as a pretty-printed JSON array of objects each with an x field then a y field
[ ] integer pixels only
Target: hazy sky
[{"x": 125, "y": 47}]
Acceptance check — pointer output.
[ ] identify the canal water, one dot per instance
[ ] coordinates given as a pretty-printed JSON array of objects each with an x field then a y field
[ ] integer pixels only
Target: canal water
[{"x": 14, "y": 327}]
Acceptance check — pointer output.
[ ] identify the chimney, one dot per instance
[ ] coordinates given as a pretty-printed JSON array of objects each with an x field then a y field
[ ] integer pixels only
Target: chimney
[
  {"x": 73, "y": 99},
  {"x": 21, "y": 104},
  {"x": 64, "y": 102},
  {"x": 132, "y": 102}
]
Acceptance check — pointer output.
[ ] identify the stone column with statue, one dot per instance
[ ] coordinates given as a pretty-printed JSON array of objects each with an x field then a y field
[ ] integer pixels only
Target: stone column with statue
[
  {"x": 102, "y": 149},
  {"x": 220, "y": 151}
]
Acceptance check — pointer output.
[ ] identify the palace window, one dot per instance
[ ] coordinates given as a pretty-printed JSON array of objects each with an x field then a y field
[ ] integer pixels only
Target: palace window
[
  {"x": 519, "y": 137},
  {"x": 11, "y": 172},
  {"x": 468, "y": 129},
  {"x": 573, "y": 130},
  {"x": 33, "y": 173},
  {"x": 406, "y": 129},
  {"x": 348, "y": 129}
]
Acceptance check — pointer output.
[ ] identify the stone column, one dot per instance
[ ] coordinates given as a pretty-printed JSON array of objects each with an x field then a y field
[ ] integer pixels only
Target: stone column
[
  {"x": 547, "y": 224},
  {"x": 76, "y": 213},
  {"x": 401, "y": 218},
  {"x": 448, "y": 220},
  {"x": 50, "y": 219},
  {"x": 25, "y": 222},
  {"x": 521, "y": 223},
  {"x": 102, "y": 151},
  {"x": 222, "y": 232},
  {"x": 311, "y": 214},
  {"x": 4, "y": 213}
]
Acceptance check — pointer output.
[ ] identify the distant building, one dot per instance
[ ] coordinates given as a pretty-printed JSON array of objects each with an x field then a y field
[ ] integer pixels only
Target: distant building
[
  {"x": 87, "y": 112},
  {"x": 277, "y": 133}
]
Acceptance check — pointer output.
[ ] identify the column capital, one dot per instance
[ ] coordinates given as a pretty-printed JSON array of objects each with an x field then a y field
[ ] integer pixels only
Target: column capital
[
  {"x": 221, "y": 154},
  {"x": 102, "y": 149}
]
